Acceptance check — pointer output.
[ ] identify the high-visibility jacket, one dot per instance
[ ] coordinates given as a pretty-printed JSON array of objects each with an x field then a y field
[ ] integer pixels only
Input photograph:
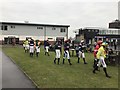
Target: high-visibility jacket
[{"x": 101, "y": 52}]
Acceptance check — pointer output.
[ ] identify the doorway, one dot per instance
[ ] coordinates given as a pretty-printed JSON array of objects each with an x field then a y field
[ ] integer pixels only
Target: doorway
[{"x": 11, "y": 40}]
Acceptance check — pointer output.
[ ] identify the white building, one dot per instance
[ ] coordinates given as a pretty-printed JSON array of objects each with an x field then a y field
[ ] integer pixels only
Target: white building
[{"x": 21, "y": 31}]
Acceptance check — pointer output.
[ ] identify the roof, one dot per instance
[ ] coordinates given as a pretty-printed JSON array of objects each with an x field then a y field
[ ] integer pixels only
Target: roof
[
  {"x": 115, "y": 21},
  {"x": 34, "y": 24},
  {"x": 98, "y": 28}
]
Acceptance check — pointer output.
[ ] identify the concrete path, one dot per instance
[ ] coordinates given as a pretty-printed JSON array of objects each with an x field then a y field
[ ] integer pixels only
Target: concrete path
[
  {"x": 0, "y": 69},
  {"x": 12, "y": 76}
]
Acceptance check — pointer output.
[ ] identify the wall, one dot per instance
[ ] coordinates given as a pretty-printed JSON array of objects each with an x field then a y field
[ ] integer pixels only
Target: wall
[{"x": 23, "y": 31}]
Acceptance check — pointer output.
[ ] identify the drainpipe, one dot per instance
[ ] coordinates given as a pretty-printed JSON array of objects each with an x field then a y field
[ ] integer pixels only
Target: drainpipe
[{"x": 45, "y": 34}]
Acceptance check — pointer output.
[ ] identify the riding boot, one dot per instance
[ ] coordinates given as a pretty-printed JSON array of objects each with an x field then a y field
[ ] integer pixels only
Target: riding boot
[
  {"x": 78, "y": 59},
  {"x": 58, "y": 60},
  {"x": 104, "y": 69},
  {"x": 63, "y": 60},
  {"x": 69, "y": 61},
  {"x": 27, "y": 51},
  {"x": 48, "y": 53},
  {"x": 55, "y": 61},
  {"x": 95, "y": 68},
  {"x": 37, "y": 54},
  {"x": 94, "y": 63},
  {"x": 84, "y": 61},
  {"x": 32, "y": 54}
]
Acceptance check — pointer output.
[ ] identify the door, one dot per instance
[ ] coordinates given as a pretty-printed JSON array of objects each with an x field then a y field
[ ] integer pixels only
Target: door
[{"x": 6, "y": 40}]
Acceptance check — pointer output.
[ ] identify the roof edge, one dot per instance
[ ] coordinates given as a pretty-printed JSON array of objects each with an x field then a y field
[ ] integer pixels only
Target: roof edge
[{"x": 35, "y": 24}]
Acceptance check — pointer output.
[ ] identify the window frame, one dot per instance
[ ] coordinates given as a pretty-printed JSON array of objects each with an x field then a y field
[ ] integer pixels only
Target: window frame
[
  {"x": 62, "y": 30},
  {"x": 40, "y": 27},
  {"x": 53, "y": 28},
  {"x": 4, "y": 27},
  {"x": 12, "y": 26}
]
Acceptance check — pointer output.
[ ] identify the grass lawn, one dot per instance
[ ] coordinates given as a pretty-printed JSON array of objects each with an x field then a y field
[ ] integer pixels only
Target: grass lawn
[{"x": 48, "y": 75}]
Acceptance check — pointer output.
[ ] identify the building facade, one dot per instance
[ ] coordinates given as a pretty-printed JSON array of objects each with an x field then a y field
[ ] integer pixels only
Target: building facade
[
  {"x": 21, "y": 31},
  {"x": 116, "y": 25},
  {"x": 92, "y": 34},
  {"x": 88, "y": 34}
]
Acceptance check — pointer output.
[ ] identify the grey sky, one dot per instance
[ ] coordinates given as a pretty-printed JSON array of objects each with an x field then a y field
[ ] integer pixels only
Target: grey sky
[{"x": 76, "y": 13}]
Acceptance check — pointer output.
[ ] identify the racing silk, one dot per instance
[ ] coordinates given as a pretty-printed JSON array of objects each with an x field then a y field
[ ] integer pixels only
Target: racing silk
[
  {"x": 101, "y": 52},
  {"x": 31, "y": 43},
  {"x": 96, "y": 50},
  {"x": 58, "y": 46},
  {"x": 97, "y": 47},
  {"x": 47, "y": 44},
  {"x": 26, "y": 42},
  {"x": 80, "y": 48},
  {"x": 66, "y": 47},
  {"x": 37, "y": 43}
]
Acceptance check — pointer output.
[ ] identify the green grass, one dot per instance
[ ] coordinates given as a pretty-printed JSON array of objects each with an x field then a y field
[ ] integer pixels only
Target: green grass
[{"x": 48, "y": 75}]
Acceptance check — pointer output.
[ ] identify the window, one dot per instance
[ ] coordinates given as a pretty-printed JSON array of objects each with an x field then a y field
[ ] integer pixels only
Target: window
[
  {"x": 62, "y": 30},
  {"x": 12, "y": 26},
  {"x": 88, "y": 30},
  {"x": 4, "y": 27},
  {"x": 1, "y": 27},
  {"x": 100, "y": 32},
  {"x": 50, "y": 38},
  {"x": 110, "y": 32},
  {"x": 97, "y": 31},
  {"x": 53, "y": 28},
  {"x": 39, "y": 27}
]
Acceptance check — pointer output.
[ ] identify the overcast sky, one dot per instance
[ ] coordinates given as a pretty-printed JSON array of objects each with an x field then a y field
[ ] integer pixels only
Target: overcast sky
[{"x": 76, "y": 13}]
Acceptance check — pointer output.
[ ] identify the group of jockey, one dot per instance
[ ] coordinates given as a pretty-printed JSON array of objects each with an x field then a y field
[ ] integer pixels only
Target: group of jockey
[
  {"x": 100, "y": 52},
  {"x": 67, "y": 52},
  {"x": 32, "y": 46},
  {"x": 100, "y": 55}
]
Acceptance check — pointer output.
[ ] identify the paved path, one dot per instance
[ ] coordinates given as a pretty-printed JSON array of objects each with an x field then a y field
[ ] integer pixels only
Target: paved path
[
  {"x": 0, "y": 70},
  {"x": 12, "y": 76}
]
